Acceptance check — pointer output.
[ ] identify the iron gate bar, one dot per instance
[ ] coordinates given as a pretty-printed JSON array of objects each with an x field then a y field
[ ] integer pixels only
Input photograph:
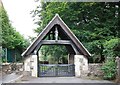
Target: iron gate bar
[{"x": 56, "y": 70}]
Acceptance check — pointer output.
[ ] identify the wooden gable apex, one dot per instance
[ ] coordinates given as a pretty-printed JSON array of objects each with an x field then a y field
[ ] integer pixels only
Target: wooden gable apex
[{"x": 56, "y": 21}]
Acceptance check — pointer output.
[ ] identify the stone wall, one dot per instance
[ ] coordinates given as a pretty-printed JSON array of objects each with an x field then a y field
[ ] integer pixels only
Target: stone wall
[
  {"x": 10, "y": 67},
  {"x": 95, "y": 70},
  {"x": 118, "y": 69}
]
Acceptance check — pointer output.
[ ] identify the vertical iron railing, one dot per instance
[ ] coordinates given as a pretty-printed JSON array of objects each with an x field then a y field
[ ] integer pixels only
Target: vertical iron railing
[{"x": 56, "y": 70}]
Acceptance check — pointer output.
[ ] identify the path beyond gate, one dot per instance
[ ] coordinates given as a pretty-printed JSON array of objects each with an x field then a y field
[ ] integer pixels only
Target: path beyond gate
[{"x": 57, "y": 70}]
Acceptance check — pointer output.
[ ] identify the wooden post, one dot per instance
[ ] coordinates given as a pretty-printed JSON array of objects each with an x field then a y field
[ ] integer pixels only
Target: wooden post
[
  {"x": 49, "y": 38},
  {"x": 70, "y": 58},
  {"x": 118, "y": 69},
  {"x": 53, "y": 37},
  {"x": 38, "y": 66}
]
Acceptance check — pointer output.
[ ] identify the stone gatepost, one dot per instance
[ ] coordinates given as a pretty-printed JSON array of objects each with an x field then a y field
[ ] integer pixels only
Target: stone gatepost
[
  {"x": 31, "y": 65},
  {"x": 81, "y": 65}
]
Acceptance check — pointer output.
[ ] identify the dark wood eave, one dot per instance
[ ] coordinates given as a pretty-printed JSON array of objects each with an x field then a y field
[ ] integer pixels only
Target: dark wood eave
[{"x": 54, "y": 21}]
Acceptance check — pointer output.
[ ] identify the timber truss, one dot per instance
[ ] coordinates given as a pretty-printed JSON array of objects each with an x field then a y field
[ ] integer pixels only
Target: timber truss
[{"x": 57, "y": 33}]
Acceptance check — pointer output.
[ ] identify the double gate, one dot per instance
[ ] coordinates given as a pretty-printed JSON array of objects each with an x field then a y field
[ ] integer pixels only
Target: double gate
[{"x": 56, "y": 70}]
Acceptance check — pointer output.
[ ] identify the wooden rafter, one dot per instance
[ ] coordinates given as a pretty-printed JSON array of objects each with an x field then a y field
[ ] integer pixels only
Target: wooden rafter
[{"x": 64, "y": 32}]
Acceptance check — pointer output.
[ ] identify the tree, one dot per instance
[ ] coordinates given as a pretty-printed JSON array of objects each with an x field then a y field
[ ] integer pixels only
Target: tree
[
  {"x": 10, "y": 38},
  {"x": 93, "y": 23},
  {"x": 96, "y": 24},
  {"x": 54, "y": 54}
]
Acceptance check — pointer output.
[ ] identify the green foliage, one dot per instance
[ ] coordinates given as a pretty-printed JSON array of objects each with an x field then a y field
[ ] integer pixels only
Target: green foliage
[
  {"x": 96, "y": 48},
  {"x": 110, "y": 47},
  {"x": 55, "y": 54},
  {"x": 10, "y": 37},
  {"x": 109, "y": 68},
  {"x": 93, "y": 23}
]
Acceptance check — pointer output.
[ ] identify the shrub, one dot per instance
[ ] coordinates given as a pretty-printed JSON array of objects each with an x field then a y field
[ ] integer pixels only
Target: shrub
[
  {"x": 109, "y": 69},
  {"x": 110, "y": 46}
]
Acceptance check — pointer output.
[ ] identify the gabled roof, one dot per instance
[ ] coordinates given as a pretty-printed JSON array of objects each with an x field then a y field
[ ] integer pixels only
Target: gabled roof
[{"x": 56, "y": 21}]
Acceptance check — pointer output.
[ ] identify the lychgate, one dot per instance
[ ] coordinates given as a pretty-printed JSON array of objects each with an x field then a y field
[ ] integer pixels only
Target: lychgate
[{"x": 58, "y": 33}]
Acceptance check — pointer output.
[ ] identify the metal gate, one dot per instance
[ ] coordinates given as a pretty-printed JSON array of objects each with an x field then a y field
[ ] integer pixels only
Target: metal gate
[{"x": 56, "y": 70}]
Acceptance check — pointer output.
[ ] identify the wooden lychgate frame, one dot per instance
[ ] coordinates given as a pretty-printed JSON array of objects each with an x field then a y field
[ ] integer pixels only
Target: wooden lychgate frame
[
  {"x": 57, "y": 33},
  {"x": 58, "y": 29}
]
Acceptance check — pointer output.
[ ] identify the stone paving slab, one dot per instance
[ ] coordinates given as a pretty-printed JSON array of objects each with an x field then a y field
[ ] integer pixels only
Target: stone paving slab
[
  {"x": 60, "y": 80},
  {"x": 9, "y": 78}
]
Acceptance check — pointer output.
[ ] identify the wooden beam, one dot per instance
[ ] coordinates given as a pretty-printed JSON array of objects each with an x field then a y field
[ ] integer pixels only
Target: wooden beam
[
  {"x": 54, "y": 42},
  {"x": 73, "y": 37},
  {"x": 59, "y": 42},
  {"x": 64, "y": 33},
  {"x": 40, "y": 37}
]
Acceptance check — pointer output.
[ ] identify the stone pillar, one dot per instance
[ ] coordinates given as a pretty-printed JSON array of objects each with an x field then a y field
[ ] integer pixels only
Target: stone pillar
[
  {"x": 31, "y": 65},
  {"x": 27, "y": 63},
  {"x": 81, "y": 65},
  {"x": 70, "y": 58},
  {"x": 34, "y": 66},
  {"x": 118, "y": 69}
]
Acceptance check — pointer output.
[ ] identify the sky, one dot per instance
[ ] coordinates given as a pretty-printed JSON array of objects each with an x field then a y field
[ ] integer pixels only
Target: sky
[{"x": 19, "y": 14}]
